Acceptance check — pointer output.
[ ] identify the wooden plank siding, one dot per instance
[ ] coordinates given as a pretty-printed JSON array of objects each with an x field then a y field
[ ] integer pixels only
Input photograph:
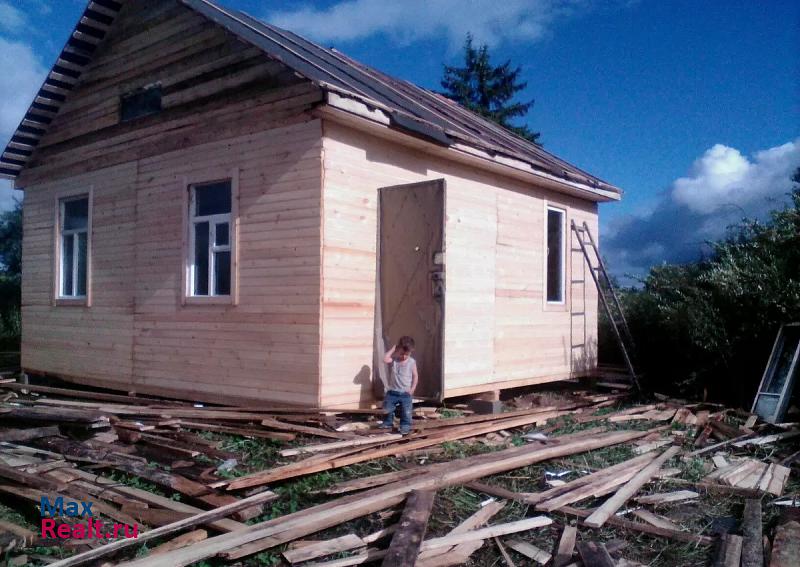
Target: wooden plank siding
[
  {"x": 225, "y": 107},
  {"x": 499, "y": 330}
]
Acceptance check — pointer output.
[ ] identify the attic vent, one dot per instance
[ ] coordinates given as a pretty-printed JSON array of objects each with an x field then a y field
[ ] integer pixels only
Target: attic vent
[{"x": 139, "y": 103}]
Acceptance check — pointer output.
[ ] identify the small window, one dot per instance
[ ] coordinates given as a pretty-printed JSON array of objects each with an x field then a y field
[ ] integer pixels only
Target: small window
[
  {"x": 143, "y": 102},
  {"x": 74, "y": 247},
  {"x": 210, "y": 239},
  {"x": 555, "y": 255}
]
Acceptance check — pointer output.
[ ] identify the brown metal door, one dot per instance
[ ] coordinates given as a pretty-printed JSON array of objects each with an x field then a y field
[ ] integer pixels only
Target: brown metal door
[{"x": 411, "y": 275}]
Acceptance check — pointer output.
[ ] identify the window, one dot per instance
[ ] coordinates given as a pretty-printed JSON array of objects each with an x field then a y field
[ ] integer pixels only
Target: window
[
  {"x": 210, "y": 237},
  {"x": 555, "y": 255},
  {"x": 73, "y": 247},
  {"x": 143, "y": 102}
]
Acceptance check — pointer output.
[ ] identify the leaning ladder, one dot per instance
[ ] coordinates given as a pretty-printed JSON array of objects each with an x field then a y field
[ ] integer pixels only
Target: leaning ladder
[{"x": 608, "y": 296}]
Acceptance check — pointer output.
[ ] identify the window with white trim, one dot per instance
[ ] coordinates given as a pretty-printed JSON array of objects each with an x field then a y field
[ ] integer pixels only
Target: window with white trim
[
  {"x": 556, "y": 275},
  {"x": 210, "y": 239},
  {"x": 73, "y": 247}
]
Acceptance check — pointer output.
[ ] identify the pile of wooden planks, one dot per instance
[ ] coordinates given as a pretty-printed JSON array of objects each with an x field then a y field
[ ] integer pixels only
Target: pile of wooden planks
[{"x": 60, "y": 443}]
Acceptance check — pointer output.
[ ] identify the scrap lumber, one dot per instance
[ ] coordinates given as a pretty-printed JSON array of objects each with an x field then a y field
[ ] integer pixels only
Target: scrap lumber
[
  {"x": 656, "y": 520},
  {"x": 752, "y": 541},
  {"x": 498, "y": 491},
  {"x": 504, "y": 554},
  {"x": 635, "y": 463},
  {"x": 599, "y": 516},
  {"x": 181, "y": 541},
  {"x": 23, "y": 536},
  {"x": 17, "y": 435},
  {"x": 192, "y": 521},
  {"x": 433, "y": 558},
  {"x": 341, "y": 460},
  {"x": 223, "y": 525},
  {"x": 665, "y": 497},
  {"x": 323, "y": 548},
  {"x": 244, "y": 432},
  {"x": 458, "y": 556},
  {"x": 596, "y": 484},
  {"x": 292, "y": 526},
  {"x": 404, "y": 548},
  {"x": 715, "y": 446},
  {"x": 595, "y": 554},
  {"x": 88, "y": 418},
  {"x": 272, "y": 423},
  {"x": 729, "y": 552},
  {"x": 786, "y": 545},
  {"x": 368, "y": 440},
  {"x": 530, "y": 551},
  {"x": 566, "y": 547},
  {"x": 766, "y": 439},
  {"x": 487, "y": 532},
  {"x": 640, "y": 527},
  {"x": 374, "y": 480}
]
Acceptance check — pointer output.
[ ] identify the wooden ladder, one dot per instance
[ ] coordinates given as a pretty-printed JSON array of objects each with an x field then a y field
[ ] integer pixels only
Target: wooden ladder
[{"x": 608, "y": 297}]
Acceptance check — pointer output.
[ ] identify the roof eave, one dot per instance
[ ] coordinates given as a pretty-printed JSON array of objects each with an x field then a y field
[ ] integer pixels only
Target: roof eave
[{"x": 375, "y": 117}]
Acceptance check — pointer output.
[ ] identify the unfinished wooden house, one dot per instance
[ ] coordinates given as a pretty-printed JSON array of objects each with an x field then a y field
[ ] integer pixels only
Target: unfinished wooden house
[{"x": 218, "y": 209}]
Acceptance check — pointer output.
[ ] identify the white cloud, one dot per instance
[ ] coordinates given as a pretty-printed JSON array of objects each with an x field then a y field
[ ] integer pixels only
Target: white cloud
[
  {"x": 723, "y": 186},
  {"x": 21, "y": 75},
  {"x": 404, "y": 22},
  {"x": 11, "y": 19},
  {"x": 723, "y": 177}
]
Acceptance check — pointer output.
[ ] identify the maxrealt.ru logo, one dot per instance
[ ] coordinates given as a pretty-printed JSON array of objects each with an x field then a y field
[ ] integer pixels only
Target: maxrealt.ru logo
[{"x": 71, "y": 512}]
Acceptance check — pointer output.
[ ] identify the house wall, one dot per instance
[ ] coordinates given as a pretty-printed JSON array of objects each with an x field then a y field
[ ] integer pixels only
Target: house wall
[
  {"x": 499, "y": 330},
  {"x": 224, "y": 109}
]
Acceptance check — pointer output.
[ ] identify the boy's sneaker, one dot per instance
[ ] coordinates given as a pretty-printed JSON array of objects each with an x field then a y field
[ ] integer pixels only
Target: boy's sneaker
[
  {"x": 385, "y": 426},
  {"x": 405, "y": 431}
]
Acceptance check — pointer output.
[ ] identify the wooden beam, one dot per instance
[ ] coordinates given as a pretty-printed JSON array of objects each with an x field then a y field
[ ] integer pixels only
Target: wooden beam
[
  {"x": 599, "y": 517},
  {"x": 566, "y": 547},
  {"x": 729, "y": 552},
  {"x": 323, "y": 548},
  {"x": 413, "y": 523},
  {"x": 752, "y": 538},
  {"x": 786, "y": 545}
]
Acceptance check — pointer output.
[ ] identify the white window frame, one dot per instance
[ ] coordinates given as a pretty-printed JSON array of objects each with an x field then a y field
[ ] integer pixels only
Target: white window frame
[
  {"x": 189, "y": 221},
  {"x": 563, "y": 212},
  {"x": 58, "y": 281}
]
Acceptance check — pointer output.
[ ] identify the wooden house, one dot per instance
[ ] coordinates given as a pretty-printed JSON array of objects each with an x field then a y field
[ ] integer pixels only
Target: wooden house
[{"x": 218, "y": 209}]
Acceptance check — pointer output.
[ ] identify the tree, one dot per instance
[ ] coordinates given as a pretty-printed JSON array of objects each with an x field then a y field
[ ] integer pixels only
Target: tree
[
  {"x": 10, "y": 276},
  {"x": 11, "y": 241},
  {"x": 488, "y": 90}
]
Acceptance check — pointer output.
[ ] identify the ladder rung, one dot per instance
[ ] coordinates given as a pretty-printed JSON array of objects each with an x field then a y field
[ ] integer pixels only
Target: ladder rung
[
  {"x": 578, "y": 313},
  {"x": 578, "y": 346},
  {"x": 577, "y": 281},
  {"x": 577, "y": 249}
]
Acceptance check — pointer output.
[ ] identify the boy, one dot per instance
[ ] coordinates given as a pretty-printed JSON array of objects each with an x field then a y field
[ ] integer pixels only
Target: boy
[{"x": 403, "y": 380}]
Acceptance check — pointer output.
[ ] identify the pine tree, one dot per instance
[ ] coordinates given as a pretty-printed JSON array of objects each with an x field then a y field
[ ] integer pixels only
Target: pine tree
[{"x": 488, "y": 90}]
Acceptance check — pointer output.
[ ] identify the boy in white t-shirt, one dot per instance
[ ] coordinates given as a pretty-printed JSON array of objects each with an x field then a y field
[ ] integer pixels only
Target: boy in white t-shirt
[{"x": 403, "y": 379}]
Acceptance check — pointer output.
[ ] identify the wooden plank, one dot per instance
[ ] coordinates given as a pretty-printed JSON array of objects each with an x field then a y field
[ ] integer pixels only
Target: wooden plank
[
  {"x": 595, "y": 554},
  {"x": 729, "y": 552},
  {"x": 566, "y": 546},
  {"x": 368, "y": 440},
  {"x": 664, "y": 497},
  {"x": 778, "y": 480},
  {"x": 656, "y": 520},
  {"x": 404, "y": 548},
  {"x": 752, "y": 540},
  {"x": 530, "y": 551},
  {"x": 17, "y": 435},
  {"x": 433, "y": 558},
  {"x": 786, "y": 545},
  {"x": 181, "y": 541},
  {"x": 601, "y": 515},
  {"x": 292, "y": 526},
  {"x": 323, "y": 548},
  {"x": 641, "y": 527},
  {"x": 506, "y": 557},
  {"x": 196, "y": 520}
]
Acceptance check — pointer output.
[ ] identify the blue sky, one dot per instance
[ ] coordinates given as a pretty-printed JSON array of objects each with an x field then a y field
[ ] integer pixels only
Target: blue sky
[{"x": 693, "y": 108}]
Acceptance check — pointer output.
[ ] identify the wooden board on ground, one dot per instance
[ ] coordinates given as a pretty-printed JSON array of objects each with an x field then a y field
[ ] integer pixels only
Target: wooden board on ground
[
  {"x": 752, "y": 541},
  {"x": 411, "y": 529},
  {"x": 566, "y": 546}
]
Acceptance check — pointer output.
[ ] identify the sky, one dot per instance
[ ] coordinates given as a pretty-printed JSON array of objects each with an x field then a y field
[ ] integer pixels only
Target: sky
[{"x": 692, "y": 108}]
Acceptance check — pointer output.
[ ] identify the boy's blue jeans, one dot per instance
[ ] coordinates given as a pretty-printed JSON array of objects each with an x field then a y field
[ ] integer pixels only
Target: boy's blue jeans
[{"x": 390, "y": 401}]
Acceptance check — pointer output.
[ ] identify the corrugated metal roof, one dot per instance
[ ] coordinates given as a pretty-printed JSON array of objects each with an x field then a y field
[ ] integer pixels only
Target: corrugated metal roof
[{"x": 411, "y": 107}]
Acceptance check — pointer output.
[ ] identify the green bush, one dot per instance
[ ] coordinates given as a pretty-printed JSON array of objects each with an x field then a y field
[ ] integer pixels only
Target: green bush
[{"x": 708, "y": 327}]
